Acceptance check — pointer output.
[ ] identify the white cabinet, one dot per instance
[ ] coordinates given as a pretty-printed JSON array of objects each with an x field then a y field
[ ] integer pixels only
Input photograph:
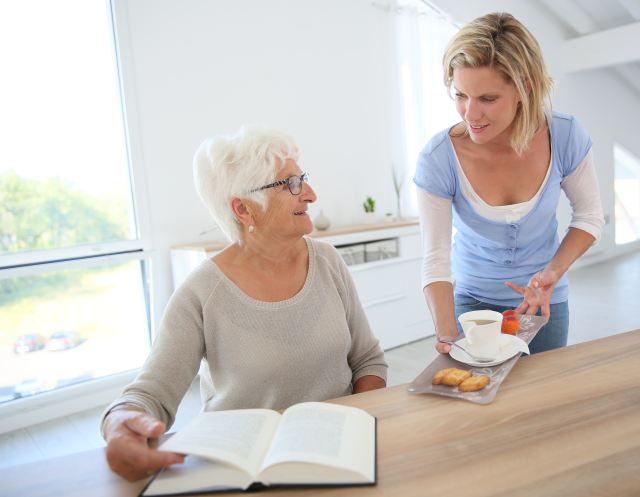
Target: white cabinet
[{"x": 389, "y": 287}]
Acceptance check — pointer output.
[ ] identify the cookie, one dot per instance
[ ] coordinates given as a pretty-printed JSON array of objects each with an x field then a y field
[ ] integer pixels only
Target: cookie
[
  {"x": 455, "y": 377},
  {"x": 473, "y": 384},
  {"x": 437, "y": 378}
]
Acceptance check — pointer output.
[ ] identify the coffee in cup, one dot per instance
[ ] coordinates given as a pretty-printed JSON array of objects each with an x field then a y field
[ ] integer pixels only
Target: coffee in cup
[{"x": 482, "y": 332}]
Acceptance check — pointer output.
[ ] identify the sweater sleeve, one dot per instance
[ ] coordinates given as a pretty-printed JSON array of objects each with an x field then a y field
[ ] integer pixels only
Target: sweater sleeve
[
  {"x": 365, "y": 356},
  {"x": 173, "y": 361},
  {"x": 583, "y": 193},
  {"x": 436, "y": 227}
]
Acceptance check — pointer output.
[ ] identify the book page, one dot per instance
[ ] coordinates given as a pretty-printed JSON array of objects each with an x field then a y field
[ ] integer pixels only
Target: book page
[
  {"x": 197, "y": 475},
  {"x": 238, "y": 437},
  {"x": 323, "y": 434}
]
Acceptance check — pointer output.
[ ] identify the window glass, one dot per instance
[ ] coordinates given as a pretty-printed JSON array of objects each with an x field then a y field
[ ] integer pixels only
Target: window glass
[
  {"x": 73, "y": 286},
  {"x": 66, "y": 326},
  {"x": 424, "y": 107},
  {"x": 64, "y": 174},
  {"x": 627, "y": 195}
]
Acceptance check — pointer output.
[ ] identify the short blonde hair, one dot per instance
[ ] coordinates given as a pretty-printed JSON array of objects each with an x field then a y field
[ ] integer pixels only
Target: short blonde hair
[
  {"x": 500, "y": 41},
  {"x": 230, "y": 166}
]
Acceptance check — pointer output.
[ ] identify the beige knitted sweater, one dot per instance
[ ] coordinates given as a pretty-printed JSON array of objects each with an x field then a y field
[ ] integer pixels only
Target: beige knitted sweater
[{"x": 311, "y": 347}]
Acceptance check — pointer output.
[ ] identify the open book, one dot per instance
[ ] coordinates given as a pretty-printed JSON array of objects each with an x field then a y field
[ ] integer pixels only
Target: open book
[{"x": 312, "y": 443}]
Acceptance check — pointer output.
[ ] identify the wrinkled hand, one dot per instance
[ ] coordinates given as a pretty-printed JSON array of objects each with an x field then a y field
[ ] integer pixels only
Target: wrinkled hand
[
  {"x": 537, "y": 294},
  {"x": 128, "y": 453}
]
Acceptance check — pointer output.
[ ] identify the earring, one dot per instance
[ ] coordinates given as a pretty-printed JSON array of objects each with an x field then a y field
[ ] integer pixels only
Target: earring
[{"x": 252, "y": 228}]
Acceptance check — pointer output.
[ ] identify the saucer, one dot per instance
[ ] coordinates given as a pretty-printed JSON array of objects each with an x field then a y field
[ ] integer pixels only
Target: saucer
[{"x": 510, "y": 345}]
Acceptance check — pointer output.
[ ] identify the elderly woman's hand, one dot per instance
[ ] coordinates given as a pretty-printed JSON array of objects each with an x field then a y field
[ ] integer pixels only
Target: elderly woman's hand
[
  {"x": 537, "y": 294},
  {"x": 127, "y": 432}
]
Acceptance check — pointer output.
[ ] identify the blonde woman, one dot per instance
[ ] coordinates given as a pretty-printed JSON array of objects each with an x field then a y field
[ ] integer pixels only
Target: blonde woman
[
  {"x": 496, "y": 176},
  {"x": 274, "y": 317}
]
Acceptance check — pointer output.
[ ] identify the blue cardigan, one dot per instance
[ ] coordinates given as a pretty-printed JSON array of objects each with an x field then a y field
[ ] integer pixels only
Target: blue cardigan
[{"x": 488, "y": 253}]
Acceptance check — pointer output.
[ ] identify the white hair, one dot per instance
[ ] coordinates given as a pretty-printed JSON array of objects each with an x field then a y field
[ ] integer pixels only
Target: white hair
[{"x": 230, "y": 166}]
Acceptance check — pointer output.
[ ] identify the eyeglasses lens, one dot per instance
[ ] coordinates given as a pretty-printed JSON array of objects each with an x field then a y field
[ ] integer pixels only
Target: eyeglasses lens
[{"x": 295, "y": 184}]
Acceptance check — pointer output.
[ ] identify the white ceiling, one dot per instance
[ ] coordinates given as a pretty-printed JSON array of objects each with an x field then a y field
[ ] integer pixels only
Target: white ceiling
[{"x": 601, "y": 33}]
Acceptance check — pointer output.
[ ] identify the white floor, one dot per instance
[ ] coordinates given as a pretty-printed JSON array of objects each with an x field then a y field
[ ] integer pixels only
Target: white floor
[{"x": 604, "y": 299}]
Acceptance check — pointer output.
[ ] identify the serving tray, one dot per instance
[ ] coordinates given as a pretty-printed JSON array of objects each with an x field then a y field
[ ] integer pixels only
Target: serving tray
[{"x": 529, "y": 327}]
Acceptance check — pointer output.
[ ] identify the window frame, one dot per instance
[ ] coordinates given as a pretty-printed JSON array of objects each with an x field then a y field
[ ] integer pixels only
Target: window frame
[
  {"x": 619, "y": 148},
  {"x": 71, "y": 399}
]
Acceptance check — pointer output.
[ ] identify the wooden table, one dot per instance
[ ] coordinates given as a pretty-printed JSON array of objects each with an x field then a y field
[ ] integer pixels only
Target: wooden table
[{"x": 565, "y": 423}]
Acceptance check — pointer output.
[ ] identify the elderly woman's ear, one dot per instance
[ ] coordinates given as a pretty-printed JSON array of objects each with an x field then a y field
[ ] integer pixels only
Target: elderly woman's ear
[{"x": 242, "y": 212}]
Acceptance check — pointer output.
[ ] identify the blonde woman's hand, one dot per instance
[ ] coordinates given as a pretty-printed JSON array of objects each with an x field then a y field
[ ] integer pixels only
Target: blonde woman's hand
[
  {"x": 128, "y": 433},
  {"x": 537, "y": 294},
  {"x": 444, "y": 348}
]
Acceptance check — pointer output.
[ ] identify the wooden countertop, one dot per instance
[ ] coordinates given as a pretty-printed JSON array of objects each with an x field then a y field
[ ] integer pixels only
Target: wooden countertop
[{"x": 565, "y": 423}]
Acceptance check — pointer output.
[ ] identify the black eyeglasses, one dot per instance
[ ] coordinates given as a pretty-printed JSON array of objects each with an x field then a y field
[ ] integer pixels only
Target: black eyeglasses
[{"x": 294, "y": 183}]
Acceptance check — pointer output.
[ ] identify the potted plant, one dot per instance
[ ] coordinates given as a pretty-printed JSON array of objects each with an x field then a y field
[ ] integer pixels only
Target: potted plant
[{"x": 369, "y": 206}]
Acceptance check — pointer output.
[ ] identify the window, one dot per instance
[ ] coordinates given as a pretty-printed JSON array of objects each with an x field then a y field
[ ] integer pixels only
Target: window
[
  {"x": 73, "y": 279},
  {"x": 423, "y": 106},
  {"x": 627, "y": 195}
]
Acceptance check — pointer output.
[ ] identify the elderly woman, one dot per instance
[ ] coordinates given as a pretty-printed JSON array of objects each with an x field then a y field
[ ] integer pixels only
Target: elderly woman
[{"x": 274, "y": 318}]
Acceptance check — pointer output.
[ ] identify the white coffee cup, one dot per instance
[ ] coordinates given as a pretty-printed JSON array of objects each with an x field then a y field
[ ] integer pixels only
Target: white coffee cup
[{"x": 482, "y": 332}]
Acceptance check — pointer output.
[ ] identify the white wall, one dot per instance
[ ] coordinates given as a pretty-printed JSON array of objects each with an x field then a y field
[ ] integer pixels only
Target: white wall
[{"x": 317, "y": 70}]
